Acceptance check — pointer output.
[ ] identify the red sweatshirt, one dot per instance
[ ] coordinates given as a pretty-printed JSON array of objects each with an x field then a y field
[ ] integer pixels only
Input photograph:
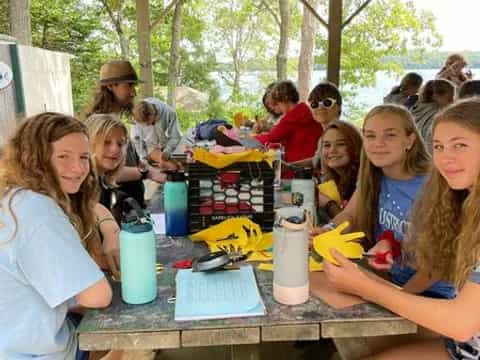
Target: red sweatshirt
[{"x": 297, "y": 131}]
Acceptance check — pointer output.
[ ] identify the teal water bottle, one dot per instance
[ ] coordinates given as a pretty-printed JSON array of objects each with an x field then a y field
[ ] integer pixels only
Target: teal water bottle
[
  {"x": 176, "y": 204},
  {"x": 138, "y": 257}
]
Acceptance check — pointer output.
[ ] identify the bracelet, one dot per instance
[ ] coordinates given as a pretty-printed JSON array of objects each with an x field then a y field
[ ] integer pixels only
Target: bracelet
[
  {"x": 103, "y": 220},
  {"x": 143, "y": 173},
  {"x": 330, "y": 226}
]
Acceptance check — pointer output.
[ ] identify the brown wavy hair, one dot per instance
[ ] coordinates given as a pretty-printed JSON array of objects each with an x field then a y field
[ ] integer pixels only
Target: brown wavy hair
[
  {"x": 445, "y": 227},
  {"x": 26, "y": 164},
  {"x": 285, "y": 91},
  {"x": 143, "y": 110},
  {"x": 417, "y": 162},
  {"x": 346, "y": 179},
  {"x": 440, "y": 87},
  {"x": 99, "y": 127},
  {"x": 103, "y": 102}
]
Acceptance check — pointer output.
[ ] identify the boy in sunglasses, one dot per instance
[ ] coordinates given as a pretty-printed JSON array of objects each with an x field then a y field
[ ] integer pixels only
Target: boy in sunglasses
[{"x": 325, "y": 103}]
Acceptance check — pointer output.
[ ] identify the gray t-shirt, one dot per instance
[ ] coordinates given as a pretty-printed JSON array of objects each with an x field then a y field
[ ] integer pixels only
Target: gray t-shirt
[
  {"x": 164, "y": 135},
  {"x": 42, "y": 267}
]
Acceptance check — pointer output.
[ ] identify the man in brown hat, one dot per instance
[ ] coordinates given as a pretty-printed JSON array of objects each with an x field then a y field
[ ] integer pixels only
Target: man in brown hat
[
  {"x": 116, "y": 89},
  {"x": 115, "y": 93}
]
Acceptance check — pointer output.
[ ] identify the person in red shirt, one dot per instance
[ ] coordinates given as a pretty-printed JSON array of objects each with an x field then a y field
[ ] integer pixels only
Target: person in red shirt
[{"x": 297, "y": 130}]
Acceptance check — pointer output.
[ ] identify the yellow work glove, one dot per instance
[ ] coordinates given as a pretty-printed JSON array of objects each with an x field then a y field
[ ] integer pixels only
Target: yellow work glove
[
  {"x": 342, "y": 242},
  {"x": 329, "y": 189},
  {"x": 235, "y": 233}
]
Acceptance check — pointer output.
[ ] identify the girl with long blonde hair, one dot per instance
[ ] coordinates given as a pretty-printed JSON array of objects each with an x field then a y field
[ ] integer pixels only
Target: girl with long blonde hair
[
  {"x": 47, "y": 193},
  {"x": 445, "y": 238},
  {"x": 393, "y": 165},
  {"x": 108, "y": 142}
]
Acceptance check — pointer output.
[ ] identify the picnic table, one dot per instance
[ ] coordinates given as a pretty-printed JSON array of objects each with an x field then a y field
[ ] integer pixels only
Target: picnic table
[{"x": 152, "y": 325}]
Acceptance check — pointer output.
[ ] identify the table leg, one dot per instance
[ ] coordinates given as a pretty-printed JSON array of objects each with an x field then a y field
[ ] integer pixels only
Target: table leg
[
  {"x": 245, "y": 352},
  {"x": 352, "y": 348}
]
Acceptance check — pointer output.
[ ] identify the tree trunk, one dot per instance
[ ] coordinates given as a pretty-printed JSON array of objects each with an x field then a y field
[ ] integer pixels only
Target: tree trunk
[
  {"x": 20, "y": 21},
  {"x": 307, "y": 47},
  {"x": 173, "y": 65},
  {"x": 282, "y": 55},
  {"x": 144, "y": 47}
]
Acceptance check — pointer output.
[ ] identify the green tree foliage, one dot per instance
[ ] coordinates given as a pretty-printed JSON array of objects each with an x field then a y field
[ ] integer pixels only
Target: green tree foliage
[
  {"x": 385, "y": 28},
  {"x": 73, "y": 27},
  {"x": 225, "y": 39}
]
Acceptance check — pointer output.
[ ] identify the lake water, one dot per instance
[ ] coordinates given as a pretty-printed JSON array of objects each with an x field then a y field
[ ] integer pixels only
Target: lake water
[{"x": 364, "y": 98}]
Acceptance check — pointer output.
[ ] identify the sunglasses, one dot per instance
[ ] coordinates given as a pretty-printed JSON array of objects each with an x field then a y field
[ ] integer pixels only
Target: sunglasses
[{"x": 326, "y": 103}]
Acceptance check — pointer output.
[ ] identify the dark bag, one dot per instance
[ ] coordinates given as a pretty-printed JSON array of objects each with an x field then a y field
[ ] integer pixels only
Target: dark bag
[{"x": 206, "y": 130}]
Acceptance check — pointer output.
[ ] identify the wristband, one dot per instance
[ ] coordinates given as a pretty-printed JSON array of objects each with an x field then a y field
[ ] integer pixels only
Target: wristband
[
  {"x": 143, "y": 173},
  {"x": 330, "y": 226}
]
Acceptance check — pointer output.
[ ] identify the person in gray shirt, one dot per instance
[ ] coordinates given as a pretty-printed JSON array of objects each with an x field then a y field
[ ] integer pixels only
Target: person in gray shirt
[{"x": 156, "y": 132}]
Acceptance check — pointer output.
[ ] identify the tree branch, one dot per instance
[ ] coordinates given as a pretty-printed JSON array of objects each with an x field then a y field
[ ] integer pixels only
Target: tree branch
[
  {"x": 162, "y": 15},
  {"x": 355, "y": 13},
  {"x": 272, "y": 12},
  {"x": 314, "y": 12}
]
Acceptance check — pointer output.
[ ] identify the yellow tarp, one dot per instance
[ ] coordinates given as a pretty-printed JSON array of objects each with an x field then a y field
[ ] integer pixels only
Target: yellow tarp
[{"x": 219, "y": 161}]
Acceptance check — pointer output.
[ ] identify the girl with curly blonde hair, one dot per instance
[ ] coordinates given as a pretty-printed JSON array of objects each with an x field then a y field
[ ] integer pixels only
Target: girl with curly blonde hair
[
  {"x": 446, "y": 229},
  {"x": 47, "y": 193},
  {"x": 393, "y": 165}
]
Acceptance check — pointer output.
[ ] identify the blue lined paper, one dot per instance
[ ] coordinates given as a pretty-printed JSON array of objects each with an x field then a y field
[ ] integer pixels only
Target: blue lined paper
[{"x": 219, "y": 294}]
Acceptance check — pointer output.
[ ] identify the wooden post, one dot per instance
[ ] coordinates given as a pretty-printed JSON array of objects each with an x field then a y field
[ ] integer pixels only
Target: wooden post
[
  {"x": 144, "y": 47},
  {"x": 334, "y": 40}
]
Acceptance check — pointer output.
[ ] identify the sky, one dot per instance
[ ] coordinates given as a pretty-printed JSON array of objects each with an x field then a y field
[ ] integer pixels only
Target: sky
[{"x": 457, "y": 21}]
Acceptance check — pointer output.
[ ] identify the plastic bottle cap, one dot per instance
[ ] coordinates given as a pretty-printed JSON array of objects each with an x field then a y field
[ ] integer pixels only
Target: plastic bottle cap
[
  {"x": 303, "y": 173},
  {"x": 175, "y": 175}
]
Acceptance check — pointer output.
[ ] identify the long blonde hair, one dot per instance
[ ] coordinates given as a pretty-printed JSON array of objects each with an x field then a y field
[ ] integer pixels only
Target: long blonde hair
[
  {"x": 26, "y": 164},
  {"x": 99, "y": 127},
  {"x": 445, "y": 229},
  {"x": 417, "y": 162}
]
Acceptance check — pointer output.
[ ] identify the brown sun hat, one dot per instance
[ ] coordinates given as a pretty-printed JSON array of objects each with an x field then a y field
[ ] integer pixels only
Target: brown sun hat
[{"x": 118, "y": 71}]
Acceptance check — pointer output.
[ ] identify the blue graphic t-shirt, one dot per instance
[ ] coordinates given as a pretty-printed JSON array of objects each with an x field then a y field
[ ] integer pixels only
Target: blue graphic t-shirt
[{"x": 395, "y": 200}]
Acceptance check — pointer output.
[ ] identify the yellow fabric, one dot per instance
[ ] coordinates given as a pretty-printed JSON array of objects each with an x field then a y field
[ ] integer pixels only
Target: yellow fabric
[
  {"x": 219, "y": 161},
  {"x": 265, "y": 266},
  {"x": 260, "y": 256},
  {"x": 329, "y": 188},
  {"x": 313, "y": 265},
  {"x": 342, "y": 242}
]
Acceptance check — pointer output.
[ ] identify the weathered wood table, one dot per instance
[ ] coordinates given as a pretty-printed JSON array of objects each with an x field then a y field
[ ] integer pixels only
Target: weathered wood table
[{"x": 152, "y": 326}]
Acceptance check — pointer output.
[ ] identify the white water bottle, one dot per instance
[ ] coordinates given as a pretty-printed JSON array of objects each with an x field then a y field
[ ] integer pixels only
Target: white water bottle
[{"x": 290, "y": 257}]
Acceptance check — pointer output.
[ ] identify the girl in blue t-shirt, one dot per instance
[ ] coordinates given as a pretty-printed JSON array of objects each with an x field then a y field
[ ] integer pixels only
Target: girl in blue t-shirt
[
  {"x": 447, "y": 213},
  {"x": 47, "y": 193},
  {"x": 393, "y": 164}
]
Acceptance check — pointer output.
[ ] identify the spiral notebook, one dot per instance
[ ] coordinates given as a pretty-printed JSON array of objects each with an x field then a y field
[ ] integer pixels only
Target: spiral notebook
[{"x": 217, "y": 295}]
